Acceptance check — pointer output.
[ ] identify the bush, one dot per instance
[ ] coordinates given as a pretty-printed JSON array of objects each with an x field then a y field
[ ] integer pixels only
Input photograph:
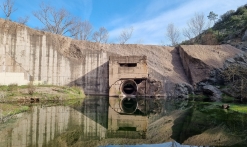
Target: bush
[
  {"x": 241, "y": 10},
  {"x": 227, "y": 15},
  {"x": 31, "y": 88}
]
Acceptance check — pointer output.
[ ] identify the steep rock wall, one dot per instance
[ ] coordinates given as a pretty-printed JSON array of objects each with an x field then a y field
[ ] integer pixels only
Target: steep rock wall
[{"x": 199, "y": 60}]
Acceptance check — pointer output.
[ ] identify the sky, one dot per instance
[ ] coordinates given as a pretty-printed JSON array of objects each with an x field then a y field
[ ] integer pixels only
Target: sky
[{"x": 149, "y": 18}]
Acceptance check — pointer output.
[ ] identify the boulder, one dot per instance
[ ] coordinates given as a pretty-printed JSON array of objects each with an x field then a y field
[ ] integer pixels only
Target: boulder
[
  {"x": 183, "y": 90},
  {"x": 239, "y": 59},
  {"x": 225, "y": 106},
  {"x": 213, "y": 92}
]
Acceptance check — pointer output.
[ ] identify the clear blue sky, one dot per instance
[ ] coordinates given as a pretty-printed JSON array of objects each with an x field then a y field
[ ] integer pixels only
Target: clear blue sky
[{"x": 149, "y": 18}]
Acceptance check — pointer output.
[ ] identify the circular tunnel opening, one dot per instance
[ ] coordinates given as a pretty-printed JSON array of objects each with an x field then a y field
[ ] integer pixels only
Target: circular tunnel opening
[
  {"x": 129, "y": 87},
  {"x": 129, "y": 105}
]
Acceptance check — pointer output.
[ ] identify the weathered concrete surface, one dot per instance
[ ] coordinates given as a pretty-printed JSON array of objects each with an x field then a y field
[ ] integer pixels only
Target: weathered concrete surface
[
  {"x": 199, "y": 60},
  {"x": 50, "y": 59},
  {"x": 8, "y": 78},
  {"x": 123, "y": 71},
  {"x": 128, "y": 76}
]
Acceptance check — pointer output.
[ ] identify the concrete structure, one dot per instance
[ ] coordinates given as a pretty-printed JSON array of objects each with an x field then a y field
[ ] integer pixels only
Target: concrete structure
[
  {"x": 128, "y": 76},
  {"x": 44, "y": 58},
  {"x": 125, "y": 72}
]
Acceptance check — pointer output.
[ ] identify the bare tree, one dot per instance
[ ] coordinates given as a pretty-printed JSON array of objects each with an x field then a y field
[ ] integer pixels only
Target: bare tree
[
  {"x": 56, "y": 21},
  {"x": 8, "y": 8},
  {"x": 125, "y": 35},
  {"x": 85, "y": 30},
  {"x": 196, "y": 25},
  {"x": 101, "y": 36},
  {"x": 187, "y": 33},
  {"x": 173, "y": 34},
  {"x": 23, "y": 20}
]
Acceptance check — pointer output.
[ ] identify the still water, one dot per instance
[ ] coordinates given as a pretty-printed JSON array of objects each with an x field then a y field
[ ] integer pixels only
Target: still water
[{"x": 114, "y": 122}]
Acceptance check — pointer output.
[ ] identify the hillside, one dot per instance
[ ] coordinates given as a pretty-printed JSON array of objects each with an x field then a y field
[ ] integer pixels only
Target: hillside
[{"x": 230, "y": 28}]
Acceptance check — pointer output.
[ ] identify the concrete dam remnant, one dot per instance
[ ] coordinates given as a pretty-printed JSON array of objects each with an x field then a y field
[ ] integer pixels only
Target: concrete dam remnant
[
  {"x": 128, "y": 77},
  {"x": 104, "y": 69}
]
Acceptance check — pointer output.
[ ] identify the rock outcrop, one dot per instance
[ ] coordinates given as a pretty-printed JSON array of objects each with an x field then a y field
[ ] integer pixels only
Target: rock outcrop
[
  {"x": 235, "y": 71},
  {"x": 213, "y": 93},
  {"x": 203, "y": 62},
  {"x": 183, "y": 90}
]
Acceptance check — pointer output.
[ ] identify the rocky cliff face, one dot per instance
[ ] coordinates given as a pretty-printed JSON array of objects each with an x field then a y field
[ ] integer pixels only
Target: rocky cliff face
[{"x": 200, "y": 61}]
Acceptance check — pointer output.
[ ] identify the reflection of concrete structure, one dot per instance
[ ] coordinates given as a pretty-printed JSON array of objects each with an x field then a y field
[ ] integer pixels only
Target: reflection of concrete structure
[
  {"x": 44, "y": 124},
  {"x": 127, "y": 126},
  {"x": 37, "y": 128},
  {"x": 41, "y": 126},
  {"x": 128, "y": 76},
  {"x": 127, "y": 117},
  {"x": 135, "y": 106}
]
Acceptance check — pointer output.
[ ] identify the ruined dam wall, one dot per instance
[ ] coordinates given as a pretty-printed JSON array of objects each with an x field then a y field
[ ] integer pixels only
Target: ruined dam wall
[{"x": 31, "y": 55}]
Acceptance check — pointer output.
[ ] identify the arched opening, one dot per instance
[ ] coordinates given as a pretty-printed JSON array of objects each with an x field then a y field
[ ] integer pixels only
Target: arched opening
[
  {"x": 129, "y": 105},
  {"x": 129, "y": 87}
]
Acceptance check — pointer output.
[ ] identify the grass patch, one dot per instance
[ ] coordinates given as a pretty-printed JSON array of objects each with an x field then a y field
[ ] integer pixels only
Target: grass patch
[
  {"x": 11, "y": 109},
  {"x": 242, "y": 108}
]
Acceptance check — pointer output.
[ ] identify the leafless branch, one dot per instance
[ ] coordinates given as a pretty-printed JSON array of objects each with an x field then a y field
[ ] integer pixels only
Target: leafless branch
[
  {"x": 125, "y": 35},
  {"x": 23, "y": 20},
  {"x": 56, "y": 21},
  {"x": 173, "y": 34},
  {"x": 196, "y": 25},
  {"x": 100, "y": 36},
  {"x": 8, "y": 8},
  {"x": 84, "y": 30},
  {"x": 187, "y": 33}
]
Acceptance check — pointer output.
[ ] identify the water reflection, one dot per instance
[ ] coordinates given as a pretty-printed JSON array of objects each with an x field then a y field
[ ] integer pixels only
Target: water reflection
[
  {"x": 96, "y": 118},
  {"x": 44, "y": 124},
  {"x": 99, "y": 121}
]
